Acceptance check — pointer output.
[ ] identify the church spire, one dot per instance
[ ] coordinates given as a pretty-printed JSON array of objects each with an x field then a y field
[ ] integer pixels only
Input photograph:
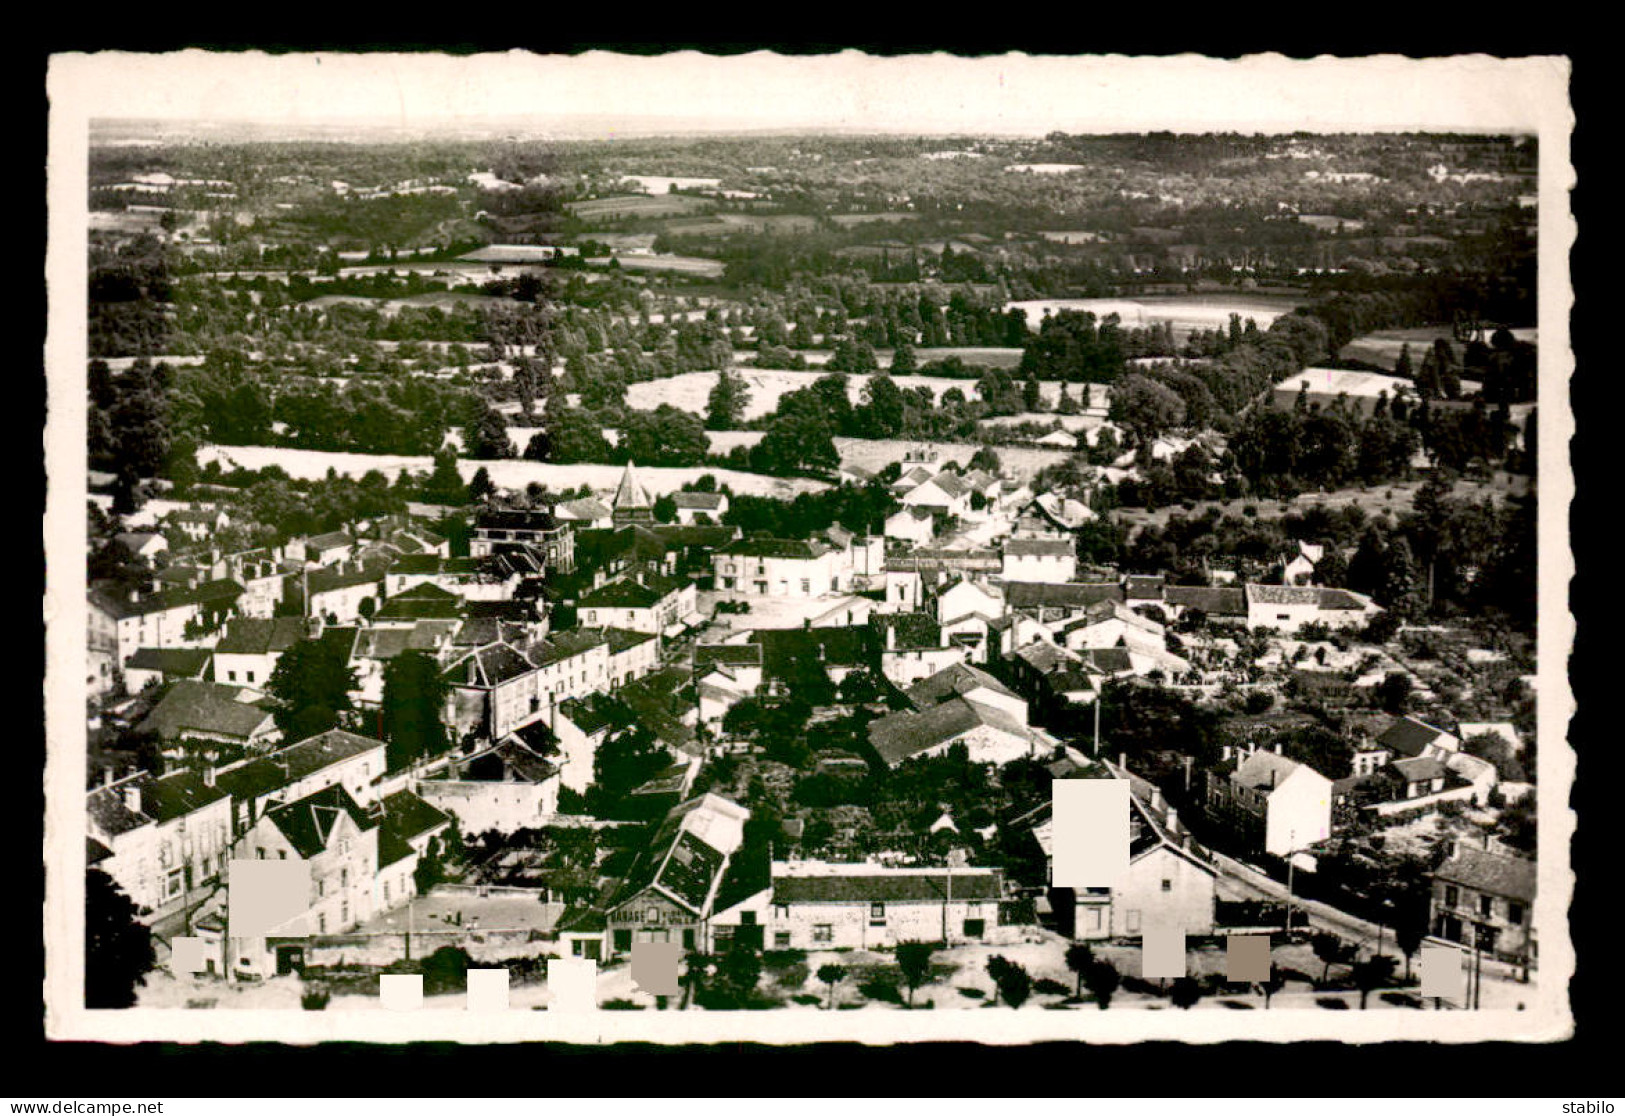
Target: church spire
[{"x": 632, "y": 503}]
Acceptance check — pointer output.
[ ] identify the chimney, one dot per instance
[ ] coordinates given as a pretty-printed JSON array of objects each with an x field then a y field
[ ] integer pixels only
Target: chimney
[
  {"x": 1172, "y": 820},
  {"x": 1122, "y": 760},
  {"x": 132, "y": 798},
  {"x": 1227, "y": 751},
  {"x": 208, "y": 775},
  {"x": 1156, "y": 801},
  {"x": 1277, "y": 748},
  {"x": 891, "y": 637}
]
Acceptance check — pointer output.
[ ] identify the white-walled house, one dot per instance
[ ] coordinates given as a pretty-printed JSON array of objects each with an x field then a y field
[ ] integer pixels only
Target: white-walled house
[
  {"x": 1051, "y": 561},
  {"x": 1285, "y": 608},
  {"x": 1281, "y": 804},
  {"x": 818, "y": 905},
  {"x": 779, "y": 568},
  {"x": 911, "y": 525}
]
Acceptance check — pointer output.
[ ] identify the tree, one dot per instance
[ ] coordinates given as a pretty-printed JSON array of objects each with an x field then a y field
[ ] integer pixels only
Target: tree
[
  {"x": 1371, "y": 974},
  {"x": 1013, "y": 982},
  {"x": 445, "y": 484},
  {"x": 1145, "y": 407},
  {"x": 413, "y": 700},
  {"x": 904, "y": 361},
  {"x": 311, "y": 687},
  {"x": 488, "y": 436},
  {"x": 1329, "y": 950},
  {"x": 1394, "y": 692},
  {"x": 118, "y": 946},
  {"x": 740, "y": 969},
  {"x": 481, "y": 486},
  {"x": 1184, "y": 993},
  {"x": 1271, "y": 985},
  {"x": 1079, "y": 957},
  {"x": 831, "y": 975},
  {"x": 725, "y": 407},
  {"x": 1102, "y": 980},
  {"x": 914, "y": 959}
]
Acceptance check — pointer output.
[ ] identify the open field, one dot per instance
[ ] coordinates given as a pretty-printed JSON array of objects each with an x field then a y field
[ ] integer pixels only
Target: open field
[
  {"x": 1019, "y": 462},
  {"x": 690, "y": 390},
  {"x": 662, "y": 184},
  {"x": 1389, "y": 499},
  {"x": 636, "y": 205},
  {"x": 515, "y": 474},
  {"x": 1383, "y": 346},
  {"x": 726, "y": 224},
  {"x": 847, "y": 219},
  {"x": 1186, "y": 312},
  {"x": 687, "y": 265}
]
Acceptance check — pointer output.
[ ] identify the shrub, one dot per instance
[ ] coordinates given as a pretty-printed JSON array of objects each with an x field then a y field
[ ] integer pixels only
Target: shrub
[
  {"x": 881, "y": 988},
  {"x": 1047, "y": 987},
  {"x": 807, "y": 999},
  {"x": 315, "y": 999},
  {"x": 791, "y": 976},
  {"x": 972, "y": 993},
  {"x": 620, "y": 1005}
]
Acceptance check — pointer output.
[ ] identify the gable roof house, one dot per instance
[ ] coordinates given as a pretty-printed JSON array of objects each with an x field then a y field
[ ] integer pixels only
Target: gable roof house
[
  {"x": 1280, "y": 804},
  {"x": 167, "y": 838},
  {"x": 1170, "y": 879},
  {"x": 178, "y": 616},
  {"x": 154, "y": 664},
  {"x": 336, "y": 843},
  {"x": 819, "y": 905},
  {"x": 989, "y": 733},
  {"x": 964, "y": 681},
  {"x": 504, "y": 787},
  {"x": 332, "y": 758},
  {"x": 694, "y": 507},
  {"x": 198, "y": 710},
  {"x": 1050, "y": 561},
  {"x": 250, "y": 647},
  {"x": 1486, "y": 901}
]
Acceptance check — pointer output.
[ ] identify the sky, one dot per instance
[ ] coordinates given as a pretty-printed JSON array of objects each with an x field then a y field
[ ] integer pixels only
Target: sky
[{"x": 927, "y": 94}]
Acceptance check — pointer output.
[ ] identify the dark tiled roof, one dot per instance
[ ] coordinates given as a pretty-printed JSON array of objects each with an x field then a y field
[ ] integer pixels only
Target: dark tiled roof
[
  {"x": 566, "y": 645},
  {"x": 624, "y": 639},
  {"x": 216, "y": 593},
  {"x": 192, "y": 705},
  {"x": 392, "y": 848},
  {"x": 247, "y": 635},
  {"x": 407, "y": 816},
  {"x": 727, "y": 654},
  {"x": 179, "y": 662},
  {"x": 1283, "y": 594},
  {"x": 1509, "y": 876},
  {"x": 308, "y": 823},
  {"x": 277, "y": 770},
  {"x": 534, "y": 520},
  {"x": 914, "y": 629},
  {"x": 1037, "y": 594},
  {"x": 698, "y": 501},
  {"x": 1038, "y": 548},
  {"x": 771, "y": 548},
  {"x": 625, "y": 593},
  {"x": 953, "y": 681},
  {"x": 1109, "y": 660},
  {"x": 488, "y": 666},
  {"x": 898, "y": 736},
  {"x": 1419, "y": 769},
  {"x": 1408, "y": 737},
  {"x": 417, "y": 564},
  {"x": 1214, "y": 602},
  {"x": 891, "y": 887},
  {"x": 785, "y": 649}
]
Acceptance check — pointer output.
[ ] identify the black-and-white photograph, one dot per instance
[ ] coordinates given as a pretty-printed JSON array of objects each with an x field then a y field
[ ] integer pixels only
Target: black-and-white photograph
[{"x": 572, "y": 547}]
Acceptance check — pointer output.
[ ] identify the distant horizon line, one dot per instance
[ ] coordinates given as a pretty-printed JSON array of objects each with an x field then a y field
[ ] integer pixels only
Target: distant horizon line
[{"x": 652, "y": 125}]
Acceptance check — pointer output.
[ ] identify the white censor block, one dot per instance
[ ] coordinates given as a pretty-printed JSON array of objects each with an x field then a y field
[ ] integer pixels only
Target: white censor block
[
  {"x": 263, "y": 895},
  {"x": 401, "y": 991},
  {"x": 488, "y": 990},
  {"x": 186, "y": 956},
  {"x": 1162, "y": 952},
  {"x": 1443, "y": 973},
  {"x": 1091, "y": 829},
  {"x": 574, "y": 984}
]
